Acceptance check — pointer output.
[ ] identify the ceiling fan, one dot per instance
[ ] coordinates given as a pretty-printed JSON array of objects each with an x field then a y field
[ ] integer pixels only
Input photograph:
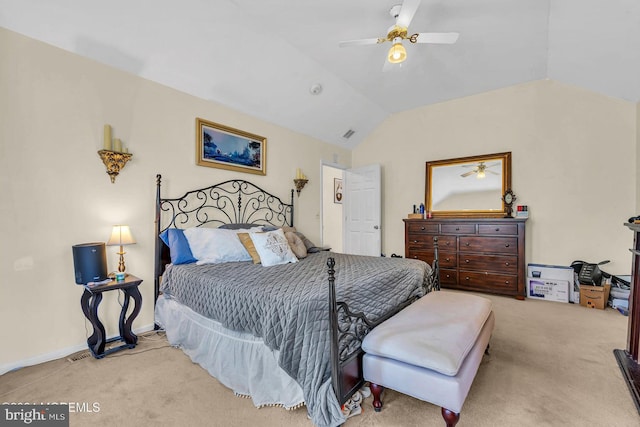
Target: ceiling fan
[
  {"x": 403, "y": 14},
  {"x": 480, "y": 169}
]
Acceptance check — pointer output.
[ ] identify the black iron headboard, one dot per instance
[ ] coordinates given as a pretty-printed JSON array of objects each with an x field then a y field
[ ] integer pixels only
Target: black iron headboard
[{"x": 235, "y": 201}]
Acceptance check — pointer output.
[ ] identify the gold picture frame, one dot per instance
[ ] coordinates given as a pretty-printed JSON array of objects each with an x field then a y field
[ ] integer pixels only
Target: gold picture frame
[{"x": 223, "y": 147}]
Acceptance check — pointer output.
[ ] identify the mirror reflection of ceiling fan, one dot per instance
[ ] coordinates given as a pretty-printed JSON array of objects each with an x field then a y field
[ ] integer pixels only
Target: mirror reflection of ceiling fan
[
  {"x": 403, "y": 14},
  {"x": 480, "y": 170}
]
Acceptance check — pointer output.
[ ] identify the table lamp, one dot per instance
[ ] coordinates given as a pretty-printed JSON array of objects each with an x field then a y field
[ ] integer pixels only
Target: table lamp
[{"x": 121, "y": 236}]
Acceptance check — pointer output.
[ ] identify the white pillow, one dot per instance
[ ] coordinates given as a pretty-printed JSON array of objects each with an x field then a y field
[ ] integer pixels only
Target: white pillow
[
  {"x": 273, "y": 248},
  {"x": 216, "y": 245}
]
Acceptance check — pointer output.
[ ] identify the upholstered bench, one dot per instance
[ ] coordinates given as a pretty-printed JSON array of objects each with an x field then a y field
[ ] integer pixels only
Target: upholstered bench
[{"x": 431, "y": 350}]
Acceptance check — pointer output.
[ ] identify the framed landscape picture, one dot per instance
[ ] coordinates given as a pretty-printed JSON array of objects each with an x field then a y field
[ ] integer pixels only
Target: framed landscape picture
[{"x": 223, "y": 147}]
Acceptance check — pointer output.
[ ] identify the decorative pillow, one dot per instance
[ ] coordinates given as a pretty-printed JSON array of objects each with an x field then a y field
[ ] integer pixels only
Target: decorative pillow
[
  {"x": 216, "y": 245},
  {"x": 273, "y": 248},
  {"x": 178, "y": 245},
  {"x": 246, "y": 241},
  {"x": 296, "y": 244},
  {"x": 311, "y": 248}
]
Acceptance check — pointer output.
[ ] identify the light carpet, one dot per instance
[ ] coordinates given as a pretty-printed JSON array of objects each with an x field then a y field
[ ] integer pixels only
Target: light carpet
[{"x": 550, "y": 364}]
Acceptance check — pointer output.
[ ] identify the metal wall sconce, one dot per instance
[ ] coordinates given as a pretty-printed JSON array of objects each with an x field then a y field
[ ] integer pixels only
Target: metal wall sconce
[
  {"x": 114, "y": 155},
  {"x": 114, "y": 161},
  {"x": 300, "y": 181}
]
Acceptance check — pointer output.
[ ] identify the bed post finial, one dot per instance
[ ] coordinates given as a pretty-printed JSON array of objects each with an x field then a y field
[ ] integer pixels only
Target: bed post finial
[{"x": 333, "y": 328}]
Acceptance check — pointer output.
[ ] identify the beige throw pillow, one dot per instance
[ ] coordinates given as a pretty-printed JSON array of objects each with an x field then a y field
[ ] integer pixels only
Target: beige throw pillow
[{"x": 296, "y": 244}]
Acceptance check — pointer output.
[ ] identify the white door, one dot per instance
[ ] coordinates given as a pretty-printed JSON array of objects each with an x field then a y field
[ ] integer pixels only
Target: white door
[{"x": 361, "y": 208}]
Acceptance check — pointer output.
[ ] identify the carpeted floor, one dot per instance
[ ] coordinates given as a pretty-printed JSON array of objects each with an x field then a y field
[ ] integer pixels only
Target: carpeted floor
[{"x": 551, "y": 364}]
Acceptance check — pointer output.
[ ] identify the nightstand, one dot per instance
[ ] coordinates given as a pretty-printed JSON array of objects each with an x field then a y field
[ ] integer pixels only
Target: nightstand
[{"x": 91, "y": 300}]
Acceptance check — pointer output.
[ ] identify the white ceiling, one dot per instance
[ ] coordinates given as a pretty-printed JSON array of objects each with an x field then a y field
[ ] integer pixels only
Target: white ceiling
[{"x": 263, "y": 56}]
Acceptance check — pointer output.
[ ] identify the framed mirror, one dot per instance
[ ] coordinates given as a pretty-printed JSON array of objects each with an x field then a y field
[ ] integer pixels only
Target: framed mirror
[{"x": 468, "y": 186}]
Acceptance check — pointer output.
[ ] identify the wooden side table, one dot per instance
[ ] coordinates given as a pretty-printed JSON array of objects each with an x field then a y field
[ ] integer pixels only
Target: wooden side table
[{"x": 91, "y": 300}]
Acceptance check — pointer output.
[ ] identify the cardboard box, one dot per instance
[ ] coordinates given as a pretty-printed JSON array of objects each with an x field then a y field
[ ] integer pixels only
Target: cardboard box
[
  {"x": 548, "y": 289},
  {"x": 594, "y": 296},
  {"x": 556, "y": 272}
]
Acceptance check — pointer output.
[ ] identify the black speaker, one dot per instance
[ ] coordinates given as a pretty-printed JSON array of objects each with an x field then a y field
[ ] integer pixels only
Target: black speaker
[{"x": 90, "y": 262}]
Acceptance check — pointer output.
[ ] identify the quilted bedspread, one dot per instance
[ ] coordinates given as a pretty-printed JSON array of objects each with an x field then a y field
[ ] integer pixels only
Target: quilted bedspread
[{"x": 288, "y": 307}]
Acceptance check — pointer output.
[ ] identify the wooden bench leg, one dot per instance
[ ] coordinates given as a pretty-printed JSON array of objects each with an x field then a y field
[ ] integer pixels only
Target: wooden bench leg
[
  {"x": 376, "y": 391},
  {"x": 450, "y": 417}
]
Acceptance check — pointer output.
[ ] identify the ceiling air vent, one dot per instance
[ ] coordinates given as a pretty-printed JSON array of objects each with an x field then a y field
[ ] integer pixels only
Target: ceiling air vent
[{"x": 348, "y": 134}]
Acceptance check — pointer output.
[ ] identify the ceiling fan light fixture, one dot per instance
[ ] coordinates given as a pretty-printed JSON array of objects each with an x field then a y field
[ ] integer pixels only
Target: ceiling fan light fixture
[
  {"x": 397, "y": 53},
  {"x": 481, "y": 174}
]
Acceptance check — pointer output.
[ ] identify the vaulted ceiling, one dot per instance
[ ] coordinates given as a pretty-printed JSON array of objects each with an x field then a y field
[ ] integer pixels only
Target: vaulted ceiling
[{"x": 266, "y": 57}]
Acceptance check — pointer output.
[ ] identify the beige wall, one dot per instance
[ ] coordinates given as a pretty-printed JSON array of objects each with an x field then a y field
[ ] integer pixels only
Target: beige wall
[
  {"x": 54, "y": 191},
  {"x": 574, "y": 164}
]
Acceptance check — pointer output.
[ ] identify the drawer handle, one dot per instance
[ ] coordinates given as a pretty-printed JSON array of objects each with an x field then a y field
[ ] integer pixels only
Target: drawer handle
[
  {"x": 506, "y": 282},
  {"x": 447, "y": 259},
  {"x": 507, "y": 264},
  {"x": 448, "y": 276},
  {"x": 466, "y": 244},
  {"x": 415, "y": 257},
  {"x": 421, "y": 228},
  {"x": 498, "y": 229},
  {"x": 467, "y": 278},
  {"x": 506, "y": 245},
  {"x": 467, "y": 261},
  {"x": 457, "y": 228},
  {"x": 446, "y": 243},
  {"x": 415, "y": 241}
]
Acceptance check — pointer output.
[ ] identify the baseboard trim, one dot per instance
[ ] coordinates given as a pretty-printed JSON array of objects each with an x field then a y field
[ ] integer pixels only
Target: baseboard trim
[{"x": 63, "y": 352}]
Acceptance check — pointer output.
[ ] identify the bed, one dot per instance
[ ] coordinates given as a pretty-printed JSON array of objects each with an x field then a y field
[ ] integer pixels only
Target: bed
[{"x": 287, "y": 334}]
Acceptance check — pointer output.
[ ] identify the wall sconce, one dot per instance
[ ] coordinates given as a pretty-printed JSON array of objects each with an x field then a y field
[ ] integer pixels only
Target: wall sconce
[
  {"x": 300, "y": 181},
  {"x": 121, "y": 236},
  {"x": 114, "y": 155}
]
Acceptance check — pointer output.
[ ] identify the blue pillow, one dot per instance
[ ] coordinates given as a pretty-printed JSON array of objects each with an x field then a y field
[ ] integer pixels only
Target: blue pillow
[{"x": 178, "y": 245}]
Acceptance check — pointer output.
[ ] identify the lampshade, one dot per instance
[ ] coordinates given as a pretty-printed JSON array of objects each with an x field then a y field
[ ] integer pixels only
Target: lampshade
[
  {"x": 397, "y": 53},
  {"x": 120, "y": 236}
]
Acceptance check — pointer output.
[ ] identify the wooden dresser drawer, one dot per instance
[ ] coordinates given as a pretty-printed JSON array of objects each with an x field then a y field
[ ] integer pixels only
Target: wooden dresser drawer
[
  {"x": 458, "y": 228},
  {"x": 446, "y": 259},
  {"x": 419, "y": 241},
  {"x": 483, "y": 281},
  {"x": 498, "y": 229},
  {"x": 505, "y": 264},
  {"x": 448, "y": 277},
  {"x": 422, "y": 227},
  {"x": 503, "y": 245}
]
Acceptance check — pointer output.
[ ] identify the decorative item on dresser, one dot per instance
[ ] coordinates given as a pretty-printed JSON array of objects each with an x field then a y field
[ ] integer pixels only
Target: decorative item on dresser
[{"x": 476, "y": 254}]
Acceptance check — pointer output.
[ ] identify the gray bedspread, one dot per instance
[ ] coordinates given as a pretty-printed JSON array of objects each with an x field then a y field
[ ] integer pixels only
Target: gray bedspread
[{"x": 288, "y": 307}]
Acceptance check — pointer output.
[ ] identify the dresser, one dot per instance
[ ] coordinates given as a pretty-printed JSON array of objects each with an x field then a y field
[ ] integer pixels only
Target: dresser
[{"x": 476, "y": 254}]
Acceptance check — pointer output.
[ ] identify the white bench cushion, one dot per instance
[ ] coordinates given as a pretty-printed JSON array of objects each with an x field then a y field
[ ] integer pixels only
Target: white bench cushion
[{"x": 436, "y": 332}]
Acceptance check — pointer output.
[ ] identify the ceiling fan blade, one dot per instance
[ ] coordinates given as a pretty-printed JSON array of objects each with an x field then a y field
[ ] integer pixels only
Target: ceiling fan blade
[
  {"x": 466, "y": 174},
  {"x": 442, "y": 38},
  {"x": 361, "y": 42},
  {"x": 409, "y": 8}
]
